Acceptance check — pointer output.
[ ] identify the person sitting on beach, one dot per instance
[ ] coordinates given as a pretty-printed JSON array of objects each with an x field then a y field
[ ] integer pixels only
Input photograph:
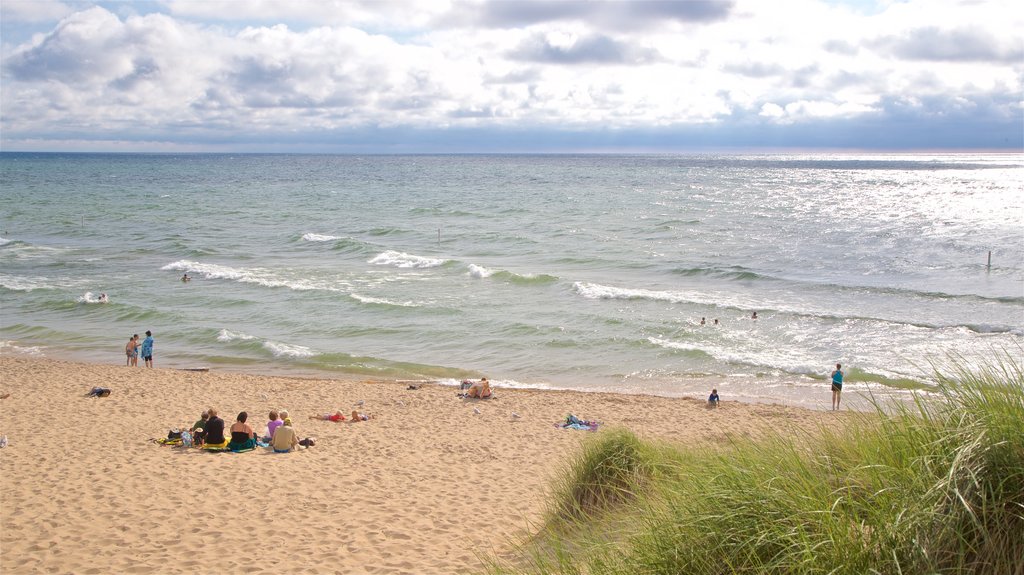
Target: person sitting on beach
[
  {"x": 199, "y": 429},
  {"x": 713, "y": 398},
  {"x": 242, "y": 435},
  {"x": 336, "y": 416},
  {"x": 356, "y": 416},
  {"x": 285, "y": 438},
  {"x": 214, "y": 436},
  {"x": 273, "y": 422},
  {"x": 480, "y": 389}
]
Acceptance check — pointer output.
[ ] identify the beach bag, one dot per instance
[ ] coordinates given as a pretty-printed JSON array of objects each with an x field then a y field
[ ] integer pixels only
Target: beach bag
[
  {"x": 307, "y": 442},
  {"x": 174, "y": 434}
]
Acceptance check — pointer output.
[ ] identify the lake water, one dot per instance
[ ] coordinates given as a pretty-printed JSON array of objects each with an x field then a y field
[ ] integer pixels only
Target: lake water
[{"x": 581, "y": 272}]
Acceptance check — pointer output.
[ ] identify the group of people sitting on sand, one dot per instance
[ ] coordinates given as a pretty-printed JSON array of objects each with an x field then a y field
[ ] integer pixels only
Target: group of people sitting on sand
[{"x": 209, "y": 431}]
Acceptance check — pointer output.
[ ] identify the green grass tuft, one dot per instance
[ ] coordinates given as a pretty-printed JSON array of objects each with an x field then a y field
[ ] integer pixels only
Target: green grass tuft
[{"x": 933, "y": 488}]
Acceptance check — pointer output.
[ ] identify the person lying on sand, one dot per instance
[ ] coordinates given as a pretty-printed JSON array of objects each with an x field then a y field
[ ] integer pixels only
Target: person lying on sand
[
  {"x": 336, "y": 416},
  {"x": 356, "y": 416}
]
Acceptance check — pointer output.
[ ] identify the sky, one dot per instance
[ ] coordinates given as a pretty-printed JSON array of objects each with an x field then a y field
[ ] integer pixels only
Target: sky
[{"x": 523, "y": 76}]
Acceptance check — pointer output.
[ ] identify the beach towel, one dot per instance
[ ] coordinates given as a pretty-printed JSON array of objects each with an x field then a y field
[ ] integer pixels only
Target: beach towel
[
  {"x": 573, "y": 422},
  {"x": 216, "y": 446}
]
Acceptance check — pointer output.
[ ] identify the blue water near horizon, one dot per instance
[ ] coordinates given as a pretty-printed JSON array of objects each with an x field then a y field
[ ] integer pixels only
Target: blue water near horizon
[{"x": 586, "y": 272}]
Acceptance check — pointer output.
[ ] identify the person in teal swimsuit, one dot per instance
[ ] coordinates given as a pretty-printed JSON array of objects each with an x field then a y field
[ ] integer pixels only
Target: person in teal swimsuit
[{"x": 837, "y": 386}]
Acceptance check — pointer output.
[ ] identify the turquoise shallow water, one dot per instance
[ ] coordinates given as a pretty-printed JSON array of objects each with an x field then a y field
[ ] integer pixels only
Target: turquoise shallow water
[{"x": 581, "y": 272}]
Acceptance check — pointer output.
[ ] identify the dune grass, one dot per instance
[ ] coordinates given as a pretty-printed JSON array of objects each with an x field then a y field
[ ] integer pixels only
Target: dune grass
[{"x": 935, "y": 488}]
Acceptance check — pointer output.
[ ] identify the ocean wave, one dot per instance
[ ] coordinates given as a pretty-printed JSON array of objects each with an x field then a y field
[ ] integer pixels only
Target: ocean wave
[
  {"x": 598, "y": 291},
  {"x": 21, "y": 283},
  {"x": 382, "y": 301},
  {"x": 226, "y": 335},
  {"x": 276, "y": 348},
  {"x": 258, "y": 276},
  {"x": 481, "y": 272},
  {"x": 311, "y": 237},
  {"x": 12, "y": 347},
  {"x": 404, "y": 260},
  {"x": 733, "y": 273},
  {"x": 279, "y": 349},
  {"x": 679, "y": 346}
]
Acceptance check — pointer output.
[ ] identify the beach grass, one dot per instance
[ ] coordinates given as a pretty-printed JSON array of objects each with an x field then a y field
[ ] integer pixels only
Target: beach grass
[{"x": 936, "y": 487}]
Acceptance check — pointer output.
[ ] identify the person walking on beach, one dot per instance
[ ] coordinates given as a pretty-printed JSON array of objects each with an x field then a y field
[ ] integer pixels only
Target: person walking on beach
[
  {"x": 837, "y": 386},
  {"x": 147, "y": 349}
]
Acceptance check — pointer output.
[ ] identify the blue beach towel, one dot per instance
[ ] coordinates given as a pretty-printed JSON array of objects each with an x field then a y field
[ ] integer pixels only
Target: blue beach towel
[{"x": 573, "y": 422}]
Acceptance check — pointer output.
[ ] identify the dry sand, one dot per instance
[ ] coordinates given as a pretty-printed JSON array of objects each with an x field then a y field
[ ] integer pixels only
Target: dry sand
[{"x": 429, "y": 486}]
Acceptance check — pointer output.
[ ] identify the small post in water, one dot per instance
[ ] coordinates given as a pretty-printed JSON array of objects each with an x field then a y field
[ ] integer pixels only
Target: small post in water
[
  {"x": 439, "y": 239},
  {"x": 990, "y": 260}
]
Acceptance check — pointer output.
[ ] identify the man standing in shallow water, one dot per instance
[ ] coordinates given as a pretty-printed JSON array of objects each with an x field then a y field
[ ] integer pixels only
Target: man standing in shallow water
[
  {"x": 837, "y": 386},
  {"x": 147, "y": 349}
]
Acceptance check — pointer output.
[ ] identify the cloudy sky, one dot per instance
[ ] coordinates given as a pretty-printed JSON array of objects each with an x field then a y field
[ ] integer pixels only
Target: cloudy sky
[{"x": 518, "y": 76}]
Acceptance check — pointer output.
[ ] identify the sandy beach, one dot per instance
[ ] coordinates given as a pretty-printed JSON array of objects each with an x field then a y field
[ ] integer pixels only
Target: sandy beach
[{"x": 433, "y": 484}]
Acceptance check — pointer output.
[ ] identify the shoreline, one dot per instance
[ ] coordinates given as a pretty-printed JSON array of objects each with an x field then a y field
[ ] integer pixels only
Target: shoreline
[
  {"x": 858, "y": 400},
  {"x": 433, "y": 484}
]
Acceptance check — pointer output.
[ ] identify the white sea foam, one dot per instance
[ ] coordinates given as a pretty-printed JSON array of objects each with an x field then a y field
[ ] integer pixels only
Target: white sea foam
[
  {"x": 383, "y": 301},
  {"x": 11, "y": 347},
  {"x": 20, "y": 283},
  {"x": 311, "y": 237},
  {"x": 226, "y": 335},
  {"x": 287, "y": 350},
  {"x": 479, "y": 272},
  {"x": 674, "y": 344},
  {"x": 258, "y": 276},
  {"x": 4, "y": 242},
  {"x": 404, "y": 260},
  {"x": 598, "y": 291}
]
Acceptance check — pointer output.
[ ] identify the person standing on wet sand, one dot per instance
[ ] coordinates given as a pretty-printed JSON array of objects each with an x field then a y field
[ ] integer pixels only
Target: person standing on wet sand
[
  {"x": 147, "y": 349},
  {"x": 131, "y": 351},
  {"x": 837, "y": 386}
]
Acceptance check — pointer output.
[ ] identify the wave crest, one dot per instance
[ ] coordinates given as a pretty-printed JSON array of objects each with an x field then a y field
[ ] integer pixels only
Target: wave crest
[{"x": 404, "y": 260}]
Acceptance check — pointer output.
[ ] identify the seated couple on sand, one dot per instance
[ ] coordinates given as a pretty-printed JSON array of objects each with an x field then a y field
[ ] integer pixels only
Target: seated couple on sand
[
  {"x": 208, "y": 433},
  {"x": 479, "y": 390}
]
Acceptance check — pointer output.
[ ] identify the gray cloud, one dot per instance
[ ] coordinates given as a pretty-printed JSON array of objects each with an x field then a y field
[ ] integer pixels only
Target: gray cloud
[
  {"x": 596, "y": 49},
  {"x": 609, "y": 14},
  {"x": 958, "y": 45}
]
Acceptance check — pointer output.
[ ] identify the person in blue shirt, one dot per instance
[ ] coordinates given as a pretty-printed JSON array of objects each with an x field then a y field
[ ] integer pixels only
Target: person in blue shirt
[
  {"x": 837, "y": 386},
  {"x": 147, "y": 349},
  {"x": 713, "y": 398}
]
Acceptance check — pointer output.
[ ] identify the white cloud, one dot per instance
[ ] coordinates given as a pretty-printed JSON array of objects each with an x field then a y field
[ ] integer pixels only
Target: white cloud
[
  {"x": 33, "y": 10},
  {"x": 536, "y": 66}
]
